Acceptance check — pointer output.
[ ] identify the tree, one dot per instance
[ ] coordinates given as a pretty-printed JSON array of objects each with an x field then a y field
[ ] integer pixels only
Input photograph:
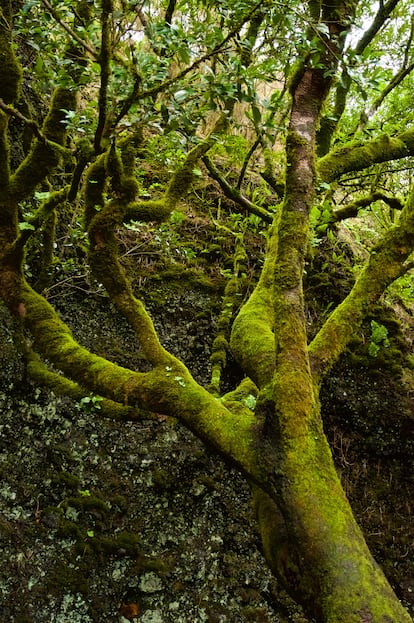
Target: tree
[{"x": 148, "y": 69}]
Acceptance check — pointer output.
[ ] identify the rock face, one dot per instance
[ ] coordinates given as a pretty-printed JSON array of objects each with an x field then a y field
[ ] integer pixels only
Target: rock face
[
  {"x": 107, "y": 522},
  {"x": 112, "y": 522}
]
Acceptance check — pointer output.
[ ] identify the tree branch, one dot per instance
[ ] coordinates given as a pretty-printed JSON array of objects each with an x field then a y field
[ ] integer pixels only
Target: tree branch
[
  {"x": 234, "y": 193},
  {"x": 104, "y": 62},
  {"x": 45, "y": 153},
  {"x": 69, "y": 30},
  {"x": 382, "y": 15},
  {"x": 13, "y": 112},
  {"x": 384, "y": 266},
  {"x": 356, "y": 157},
  {"x": 60, "y": 384},
  {"x": 351, "y": 209},
  {"x": 330, "y": 122}
]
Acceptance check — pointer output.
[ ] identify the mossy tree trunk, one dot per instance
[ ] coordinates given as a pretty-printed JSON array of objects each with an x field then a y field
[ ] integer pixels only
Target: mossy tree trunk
[{"x": 310, "y": 537}]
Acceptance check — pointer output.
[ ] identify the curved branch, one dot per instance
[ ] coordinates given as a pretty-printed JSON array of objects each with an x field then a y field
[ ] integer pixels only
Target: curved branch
[
  {"x": 356, "y": 157},
  {"x": 170, "y": 11},
  {"x": 45, "y": 154},
  {"x": 60, "y": 384},
  {"x": 385, "y": 265},
  {"x": 382, "y": 15},
  {"x": 329, "y": 123},
  {"x": 104, "y": 62},
  {"x": 69, "y": 30},
  {"x": 351, "y": 209},
  {"x": 13, "y": 112},
  {"x": 234, "y": 193},
  {"x": 396, "y": 80},
  {"x": 252, "y": 339},
  {"x": 167, "y": 389}
]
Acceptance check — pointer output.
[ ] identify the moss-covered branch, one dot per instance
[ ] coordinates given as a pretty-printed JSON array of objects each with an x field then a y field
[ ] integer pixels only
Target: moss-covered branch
[
  {"x": 61, "y": 385},
  {"x": 359, "y": 156},
  {"x": 10, "y": 70},
  {"x": 385, "y": 264},
  {"x": 235, "y": 194},
  {"x": 4, "y": 155},
  {"x": 72, "y": 34},
  {"x": 329, "y": 122},
  {"x": 352, "y": 209},
  {"x": 104, "y": 62},
  {"x": 13, "y": 112},
  {"x": 231, "y": 300},
  {"x": 167, "y": 389},
  {"x": 44, "y": 155},
  {"x": 252, "y": 339}
]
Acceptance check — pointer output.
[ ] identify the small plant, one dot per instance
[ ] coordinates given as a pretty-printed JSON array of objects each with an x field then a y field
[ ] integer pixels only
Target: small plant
[
  {"x": 379, "y": 338},
  {"x": 89, "y": 403}
]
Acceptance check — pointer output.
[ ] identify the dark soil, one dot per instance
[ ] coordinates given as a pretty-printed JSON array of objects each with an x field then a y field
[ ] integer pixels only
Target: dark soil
[{"x": 114, "y": 522}]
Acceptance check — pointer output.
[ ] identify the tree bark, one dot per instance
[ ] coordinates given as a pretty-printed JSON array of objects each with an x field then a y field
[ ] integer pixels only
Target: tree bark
[{"x": 321, "y": 557}]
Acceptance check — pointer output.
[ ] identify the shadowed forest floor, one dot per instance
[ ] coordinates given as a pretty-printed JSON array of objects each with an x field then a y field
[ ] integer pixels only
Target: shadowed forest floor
[{"x": 110, "y": 522}]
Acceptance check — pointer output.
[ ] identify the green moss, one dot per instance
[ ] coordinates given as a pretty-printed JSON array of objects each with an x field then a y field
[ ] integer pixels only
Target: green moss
[
  {"x": 4, "y": 154},
  {"x": 124, "y": 544},
  {"x": 67, "y": 479},
  {"x": 94, "y": 188},
  {"x": 44, "y": 155},
  {"x": 114, "y": 168},
  {"x": 87, "y": 503},
  {"x": 148, "y": 211},
  {"x": 356, "y": 156},
  {"x": 10, "y": 70},
  {"x": 71, "y": 578}
]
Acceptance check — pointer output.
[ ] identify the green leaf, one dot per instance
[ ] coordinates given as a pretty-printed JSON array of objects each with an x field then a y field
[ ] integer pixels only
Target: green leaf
[
  {"x": 180, "y": 95},
  {"x": 25, "y": 226},
  {"x": 323, "y": 29}
]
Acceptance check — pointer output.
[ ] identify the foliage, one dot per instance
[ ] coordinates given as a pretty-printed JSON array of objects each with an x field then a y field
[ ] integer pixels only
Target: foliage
[
  {"x": 379, "y": 338},
  {"x": 281, "y": 119}
]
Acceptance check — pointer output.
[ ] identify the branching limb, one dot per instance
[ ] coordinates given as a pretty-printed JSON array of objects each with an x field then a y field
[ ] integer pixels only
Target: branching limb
[
  {"x": 359, "y": 156},
  {"x": 234, "y": 193},
  {"x": 396, "y": 80},
  {"x": 61, "y": 385},
  {"x": 383, "y": 14},
  {"x": 252, "y": 339},
  {"x": 44, "y": 155},
  {"x": 231, "y": 302},
  {"x": 13, "y": 112},
  {"x": 131, "y": 98},
  {"x": 167, "y": 389},
  {"x": 104, "y": 62},
  {"x": 73, "y": 35},
  {"x": 330, "y": 122},
  {"x": 351, "y": 209},
  {"x": 387, "y": 262},
  {"x": 246, "y": 161},
  {"x": 102, "y": 225}
]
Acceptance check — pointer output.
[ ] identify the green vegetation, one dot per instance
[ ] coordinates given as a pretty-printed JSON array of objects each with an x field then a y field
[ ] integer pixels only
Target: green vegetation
[{"x": 224, "y": 145}]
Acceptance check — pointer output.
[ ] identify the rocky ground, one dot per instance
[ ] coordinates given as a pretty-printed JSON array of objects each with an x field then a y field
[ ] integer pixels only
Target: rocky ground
[
  {"x": 108, "y": 522},
  {"x": 112, "y": 522}
]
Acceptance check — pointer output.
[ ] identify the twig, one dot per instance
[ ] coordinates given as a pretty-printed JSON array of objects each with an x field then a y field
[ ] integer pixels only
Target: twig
[
  {"x": 69, "y": 30},
  {"x": 217, "y": 48},
  {"x": 9, "y": 110}
]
